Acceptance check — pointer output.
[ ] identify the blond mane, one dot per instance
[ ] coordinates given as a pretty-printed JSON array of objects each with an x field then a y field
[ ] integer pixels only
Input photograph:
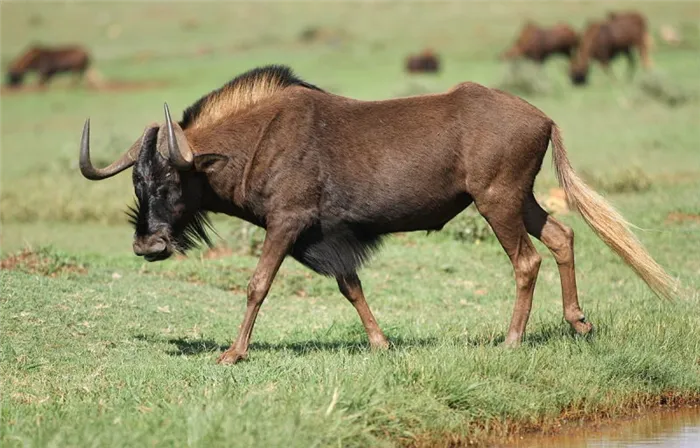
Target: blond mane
[{"x": 240, "y": 94}]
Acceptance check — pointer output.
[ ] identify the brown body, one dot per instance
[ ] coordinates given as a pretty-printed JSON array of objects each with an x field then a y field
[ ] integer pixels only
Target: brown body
[
  {"x": 328, "y": 176},
  {"x": 48, "y": 62},
  {"x": 425, "y": 62},
  {"x": 538, "y": 44},
  {"x": 619, "y": 34}
]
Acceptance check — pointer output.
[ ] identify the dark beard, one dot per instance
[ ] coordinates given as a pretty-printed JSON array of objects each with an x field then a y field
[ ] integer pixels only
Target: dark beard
[
  {"x": 190, "y": 232},
  {"x": 194, "y": 233}
]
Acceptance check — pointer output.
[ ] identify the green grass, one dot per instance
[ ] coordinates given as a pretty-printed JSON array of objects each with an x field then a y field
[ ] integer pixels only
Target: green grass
[{"x": 99, "y": 348}]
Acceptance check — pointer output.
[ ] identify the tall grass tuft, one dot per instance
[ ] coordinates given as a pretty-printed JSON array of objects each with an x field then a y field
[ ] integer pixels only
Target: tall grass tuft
[
  {"x": 630, "y": 180},
  {"x": 524, "y": 78},
  {"x": 666, "y": 91}
]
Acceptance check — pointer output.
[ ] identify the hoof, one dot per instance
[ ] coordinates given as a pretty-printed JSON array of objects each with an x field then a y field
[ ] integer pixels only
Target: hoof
[
  {"x": 582, "y": 327},
  {"x": 514, "y": 343},
  {"x": 231, "y": 357},
  {"x": 380, "y": 345}
]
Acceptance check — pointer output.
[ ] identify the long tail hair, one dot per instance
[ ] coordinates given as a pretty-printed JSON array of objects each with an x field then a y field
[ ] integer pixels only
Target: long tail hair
[{"x": 608, "y": 223}]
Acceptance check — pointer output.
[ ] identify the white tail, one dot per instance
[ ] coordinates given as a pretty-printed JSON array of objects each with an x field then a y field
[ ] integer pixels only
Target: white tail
[{"x": 608, "y": 224}]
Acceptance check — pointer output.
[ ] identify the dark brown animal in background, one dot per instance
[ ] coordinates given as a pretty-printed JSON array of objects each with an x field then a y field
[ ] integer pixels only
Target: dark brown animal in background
[
  {"x": 329, "y": 176},
  {"x": 425, "y": 62},
  {"x": 48, "y": 62},
  {"x": 538, "y": 44},
  {"x": 602, "y": 41}
]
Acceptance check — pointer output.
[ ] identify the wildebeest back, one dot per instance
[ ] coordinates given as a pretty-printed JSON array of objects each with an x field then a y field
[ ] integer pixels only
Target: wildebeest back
[{"x": 389, "y": 179}]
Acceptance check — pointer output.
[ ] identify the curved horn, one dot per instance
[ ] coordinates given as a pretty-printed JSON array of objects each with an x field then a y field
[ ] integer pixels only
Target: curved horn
[
  {"x": 124, "y": 162},
  {"x": 180, "y": 154}
]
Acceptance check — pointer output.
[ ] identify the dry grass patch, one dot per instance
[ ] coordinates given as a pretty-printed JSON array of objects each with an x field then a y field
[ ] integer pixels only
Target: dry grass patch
[{"x": 41, "y": 262}]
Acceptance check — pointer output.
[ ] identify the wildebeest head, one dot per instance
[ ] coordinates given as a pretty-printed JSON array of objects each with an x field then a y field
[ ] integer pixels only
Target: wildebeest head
[
  {"x": 14, "y": 79},
  {"x": 578, "y": 71},
  {"x": 19, "y": 67},
  {"x": 167, "y": 216},
  {"x": 579, "y": 74}
]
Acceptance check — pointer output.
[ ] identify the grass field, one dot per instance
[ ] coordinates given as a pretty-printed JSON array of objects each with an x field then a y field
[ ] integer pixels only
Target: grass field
[{"x": 99, "y": 348}]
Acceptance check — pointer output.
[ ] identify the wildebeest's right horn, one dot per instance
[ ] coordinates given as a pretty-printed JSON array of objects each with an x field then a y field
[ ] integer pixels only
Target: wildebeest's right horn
[
  {"x": 124, "y": 162},
  {"x": 179, "y": 150}
]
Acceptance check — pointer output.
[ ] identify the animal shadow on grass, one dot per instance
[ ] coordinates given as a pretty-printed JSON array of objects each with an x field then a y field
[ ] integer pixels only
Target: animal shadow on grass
[
  {"x": 193, "y": 347},
  {"x": 542, "y": 335},
  {"x": 304, "y": 347},
  {"x": 184, "y": 346}
]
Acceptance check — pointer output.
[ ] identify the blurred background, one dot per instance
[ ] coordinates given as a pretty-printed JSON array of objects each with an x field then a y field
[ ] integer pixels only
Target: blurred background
[
  {"x": 100, "y": 348},
  {"x": 142, "y": 54}
]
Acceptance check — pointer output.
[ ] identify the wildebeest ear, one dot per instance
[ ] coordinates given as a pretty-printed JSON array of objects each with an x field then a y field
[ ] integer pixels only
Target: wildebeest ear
[{"x": 210, "y": 163}]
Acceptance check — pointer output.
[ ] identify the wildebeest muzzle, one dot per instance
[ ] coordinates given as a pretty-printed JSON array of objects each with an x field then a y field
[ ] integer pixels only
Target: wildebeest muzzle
[
  {"x": 14, "y": 79},
  {"x": 579, "y": 79},
  {"x": 153, "y": 247}
]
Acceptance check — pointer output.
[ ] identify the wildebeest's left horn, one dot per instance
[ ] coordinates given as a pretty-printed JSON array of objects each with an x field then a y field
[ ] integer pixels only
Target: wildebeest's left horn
[
  {"x": 179, "y": 150},
  {"x": 119, "y": 165}
]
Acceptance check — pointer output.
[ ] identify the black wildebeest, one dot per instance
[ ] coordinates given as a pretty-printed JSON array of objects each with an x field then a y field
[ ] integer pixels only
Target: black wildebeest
[
  {"x": 538, "y": 44},
  {"x": 424, "y": 62},
  {"x": 602, "y": 41},
  {"x": 328, "y": 176},
  {"x": 48, "y": 62}
]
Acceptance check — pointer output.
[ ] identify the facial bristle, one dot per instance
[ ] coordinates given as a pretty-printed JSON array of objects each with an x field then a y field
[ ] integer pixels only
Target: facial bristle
[{"x": 194, "y": 233}]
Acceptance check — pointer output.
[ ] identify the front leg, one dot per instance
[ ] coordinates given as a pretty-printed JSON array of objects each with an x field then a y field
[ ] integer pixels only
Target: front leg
[
  {"x": 277, "y": 243},
  {"x": 44, "y": 77},
  {"x": 631, "y": 63},
  {"x": 77, "y": 78},
  {"x": 606, "y": 68},
  {"x": 351, "y": 287}
]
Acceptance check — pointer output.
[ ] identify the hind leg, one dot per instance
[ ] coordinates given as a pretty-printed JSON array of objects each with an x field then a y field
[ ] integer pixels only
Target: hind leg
[
  {"x": 630, "y": 63},
  {"x": 351, "y": 287},
  {"x": 644, "y": 52},
  {"x": 559, "y": 239},
  {"x": 78, "y": 76},
  {"x": 505, "y": 217},
  {"x": 44, "y": 78},
  {"x": 608, "y": 70}
]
